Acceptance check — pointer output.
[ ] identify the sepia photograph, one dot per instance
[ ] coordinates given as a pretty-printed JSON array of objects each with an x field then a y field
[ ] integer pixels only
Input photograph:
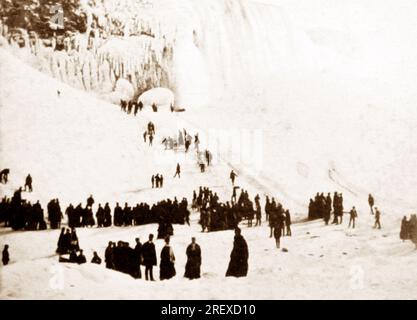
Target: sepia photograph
[{"x": 208, "y": 150}]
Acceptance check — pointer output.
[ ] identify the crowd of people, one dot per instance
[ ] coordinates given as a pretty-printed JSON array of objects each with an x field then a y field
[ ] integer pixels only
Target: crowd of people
[
  {"x": 21, "y": 214},
  {"x": 157, "y": 181},
  {"x": 67, "y": 241},
  {"x": 321, "y": 207},
  {"x": 123, "y": 258},
  {"x": 279, "y": 220},
  {"x": 18, "y": 213},
  {"x": 131, "y": 107},
  {"x": 215, "y": 215},
  {"x": 68, "y": 248}
]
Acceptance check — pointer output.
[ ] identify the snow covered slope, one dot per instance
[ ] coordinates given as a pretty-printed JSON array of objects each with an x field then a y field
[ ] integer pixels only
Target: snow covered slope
[
  {"x": 328, "y": 110},
  {"x": 75, "y": 145},
  {"x": 334, "y": 100},
  {"x": 321, "y": 263}
]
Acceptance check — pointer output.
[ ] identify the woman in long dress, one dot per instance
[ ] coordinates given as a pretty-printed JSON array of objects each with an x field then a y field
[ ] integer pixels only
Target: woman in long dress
[
  {"x": 166, "y": 267},
  {"x": 192, "y": 268}
]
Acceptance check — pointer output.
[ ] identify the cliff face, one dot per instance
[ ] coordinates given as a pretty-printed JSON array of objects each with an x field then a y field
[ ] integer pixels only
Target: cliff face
[{"x": 202, "y": 50}]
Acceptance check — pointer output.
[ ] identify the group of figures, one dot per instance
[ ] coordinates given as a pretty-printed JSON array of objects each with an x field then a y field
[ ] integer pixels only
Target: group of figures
[
  {"x": 279, "y": 220},
  {"x": 204, "y": 160},
  {"x": 149, "y": 133},
  {"x": 183, "y": 138},
  {"x": 21, "y": 214},
  {"x": 123, "y": 258},
  {"x": 4, "y": 178},
  {"x": 164, "y": 212},
  {"x": 131, "y": 107},
  {"x": 157, "y": 181},
  {"x": 321, "y": 208},
  {"x": 18, "y": 213},
  {"x": 215, "y": 215},
  {"x": 68, "y": 245}
]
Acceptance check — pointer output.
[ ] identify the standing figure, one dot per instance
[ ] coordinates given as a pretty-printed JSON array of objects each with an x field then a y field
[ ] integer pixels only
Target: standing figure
[
  {"x": 138, "y": 259},
  {"x": 153, "y": 181},
  {"x": 238, "y": 265},
  {"x": 178, "y": 171},
  {"x": 208, "y": 157},
  {"x": 90, "y": 202},
  {"x": 405, "y": 229},
  {"x": 167, "y": 268},
  {"x": 288, "y": 222},
  {"x": 278, "y": 232},
  {"x": 108, "y": 256},
  {"x": 192, "y": 268},
  {"x": 149, "y": 257},
  {"x": 353, "y": 216},
  {"x": 233, "y": 176},
  {"x": 371, "y": 202},
  {"x": 5, "y": 256},
  {"x": 377, "y": 219},
  {"x": 28, "y": 183}
]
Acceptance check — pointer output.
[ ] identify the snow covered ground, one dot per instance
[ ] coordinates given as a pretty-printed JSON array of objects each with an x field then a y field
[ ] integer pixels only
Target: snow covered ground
[
  {"x": 72, "y": 148},
  {"x": 309, "y": 126},
  {"x": 321, "y": 263}
]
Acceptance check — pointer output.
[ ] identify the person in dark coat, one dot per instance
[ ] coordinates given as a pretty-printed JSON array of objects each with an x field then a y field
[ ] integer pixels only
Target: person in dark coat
[
  {"x": 100, "y": 216},
  {"x": 178, "y": 171},
  {"x": 377, "y": 219},
  {"x": 74, "y": 241},
  {"x": 28, "y": 183},
  {"x": 149, "y": 257},
  {"x": 60, "y": 246},
  {"x": 81, "y": 258},
  {"x": 5, "y": 256},
  {"x": 73, "y": 257},
  {"x": 138, "y": 258},
  {"x": 288, "y": 222},
  {"x": 278, "y": 233},
  {"x": 90, "y": 202},
  {"x": 353, "y": 215},
  {"x": 405, "y": 229},
  {"x": 371, "y": 203},
  {"x": 96, "y": 259},
  {"x": 108, "y": 256},
  {"x": 192, "y": 268},
  {"x": 167, "y": 268},
  {"x": 107, "y": 215},
  {"x": 233, "y": 176},
  {"x": 238, "y": 265},
  {"x": 66, "y": 242}
]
